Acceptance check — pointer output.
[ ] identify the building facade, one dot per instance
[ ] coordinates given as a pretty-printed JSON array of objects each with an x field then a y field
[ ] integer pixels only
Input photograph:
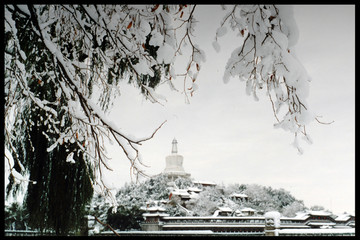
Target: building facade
[{"x": 250, "y": 224}]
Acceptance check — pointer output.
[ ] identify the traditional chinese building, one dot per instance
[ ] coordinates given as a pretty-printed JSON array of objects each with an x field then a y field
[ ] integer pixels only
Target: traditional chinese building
[
  {"x": 225, "y": 219},
  {"x": 222, "y": 222},
  {"x": 239, "y": 196}
]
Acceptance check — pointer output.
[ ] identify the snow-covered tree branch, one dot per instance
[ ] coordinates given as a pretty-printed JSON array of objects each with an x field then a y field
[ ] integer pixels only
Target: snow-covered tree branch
[
  {"x": 265, "y": 60},
  {"x": 77, "y": 50},
  {"x": 64, "y": 63}
]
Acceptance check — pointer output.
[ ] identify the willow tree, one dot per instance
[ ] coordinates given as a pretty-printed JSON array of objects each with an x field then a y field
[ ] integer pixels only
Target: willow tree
[
  {"x": 63, "y": 186},
  {"x": 47, "y": 141},
  {"x": 72, "y": 51},
  {"x": 57, "y": 56}
]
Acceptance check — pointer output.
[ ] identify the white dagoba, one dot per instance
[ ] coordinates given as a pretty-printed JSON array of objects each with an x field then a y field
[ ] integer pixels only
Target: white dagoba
[{"x": 174, "y": 163}]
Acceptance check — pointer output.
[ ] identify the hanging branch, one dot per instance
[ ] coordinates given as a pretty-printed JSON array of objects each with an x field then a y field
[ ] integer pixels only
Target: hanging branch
[{"x": 95, "y": 121}]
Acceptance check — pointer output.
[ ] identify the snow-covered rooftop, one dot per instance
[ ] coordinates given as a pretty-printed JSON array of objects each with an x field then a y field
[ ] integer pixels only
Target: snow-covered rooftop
[
  {"x": 182, "y": 192},
  {"x": 247, "y": 210},
  {"x": 194, "y": 195},
  {"x": 301, "y": 215},
  {"x": 225, "y": 209},
  {"x": 204, "y": 182},
  {"x": 320, "y": 213},
  {"x": 154, "y": 208},
  {"x": 321, "y": 224},
  {"x": 242, "y": 195},
  {"x": 343, "y": 217},
  {"x": 155, "y": 214},
  {"x": 214, "y": 225},
  {"x": 194, "y": 189},
  {"x": 213, "y": 217}
]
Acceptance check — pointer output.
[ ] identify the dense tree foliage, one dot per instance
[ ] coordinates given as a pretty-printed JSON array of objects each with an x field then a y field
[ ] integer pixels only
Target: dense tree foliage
[
  {"x": 63, "y": 186},
  {"x": 125, "y": 218},
  {"x": 16, "y": 217}
]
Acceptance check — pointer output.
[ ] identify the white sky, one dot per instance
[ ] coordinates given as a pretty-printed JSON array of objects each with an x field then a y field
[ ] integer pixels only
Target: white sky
[{"x": 227, "y": 137}]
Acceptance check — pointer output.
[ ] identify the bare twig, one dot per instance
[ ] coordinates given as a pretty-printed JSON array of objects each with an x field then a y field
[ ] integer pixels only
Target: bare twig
[
  {"x": 323, "y": 122},
  {"x": 107, "y": 225}
]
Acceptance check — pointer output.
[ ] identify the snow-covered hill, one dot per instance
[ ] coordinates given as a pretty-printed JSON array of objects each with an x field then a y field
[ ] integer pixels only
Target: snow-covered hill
[{"x": 185, "y": 196}]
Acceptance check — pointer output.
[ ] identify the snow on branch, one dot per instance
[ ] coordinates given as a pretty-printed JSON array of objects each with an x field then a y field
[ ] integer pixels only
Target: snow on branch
[
  {"x": 57, "y": 56},
  {"x": 76, "y": 48},
  {"x": 265, "y": 61}
]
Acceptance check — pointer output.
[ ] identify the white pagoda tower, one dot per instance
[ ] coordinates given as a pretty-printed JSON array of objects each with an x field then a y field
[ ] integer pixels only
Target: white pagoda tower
[{"x": 174, "y": 163}]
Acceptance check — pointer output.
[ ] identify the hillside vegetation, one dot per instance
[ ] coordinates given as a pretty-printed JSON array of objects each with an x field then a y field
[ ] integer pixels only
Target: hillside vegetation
[{"x": 132, "y": 198}]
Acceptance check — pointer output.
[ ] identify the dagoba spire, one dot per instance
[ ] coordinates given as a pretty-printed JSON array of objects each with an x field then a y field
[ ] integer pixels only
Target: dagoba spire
[
  {"x": 174, "y": 163},
  {"x": 174, "y": 147}
]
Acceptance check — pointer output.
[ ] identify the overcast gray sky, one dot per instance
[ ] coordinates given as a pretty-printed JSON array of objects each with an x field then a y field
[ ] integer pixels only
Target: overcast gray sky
[{"x": 227, "y": 137}]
